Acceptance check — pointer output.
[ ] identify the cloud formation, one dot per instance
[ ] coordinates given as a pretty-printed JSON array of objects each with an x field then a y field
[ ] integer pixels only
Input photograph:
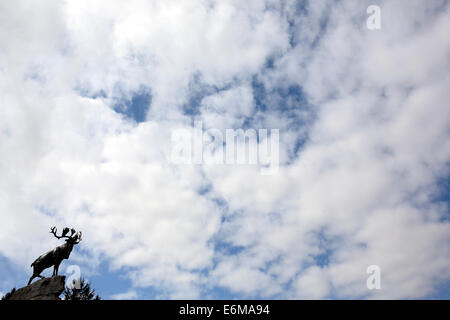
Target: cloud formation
[{"x": 364, "y": 144}]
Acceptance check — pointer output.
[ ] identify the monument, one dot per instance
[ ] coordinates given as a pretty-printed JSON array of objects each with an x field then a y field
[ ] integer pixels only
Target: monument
[
  {"x": 57, "y": 255},
  {"x": 48, "y": 288}
]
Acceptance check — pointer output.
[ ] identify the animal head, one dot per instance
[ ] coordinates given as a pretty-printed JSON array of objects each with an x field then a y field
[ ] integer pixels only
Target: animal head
[{"x": 72, "y": 239}]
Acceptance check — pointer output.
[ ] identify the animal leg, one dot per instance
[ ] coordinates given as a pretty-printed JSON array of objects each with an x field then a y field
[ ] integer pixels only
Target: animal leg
[
  {"x": 55, "y": 269},
  {"x": 31, "y": 278},
  {"x": 34, "y": 276}
]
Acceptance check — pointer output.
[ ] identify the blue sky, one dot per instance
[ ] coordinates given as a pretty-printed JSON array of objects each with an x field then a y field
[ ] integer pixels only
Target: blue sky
[{"x": 92, "y": 96}]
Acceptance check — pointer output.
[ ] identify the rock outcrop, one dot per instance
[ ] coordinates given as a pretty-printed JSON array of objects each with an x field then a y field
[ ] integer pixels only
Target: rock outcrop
[{"x": 44, "y": 289}]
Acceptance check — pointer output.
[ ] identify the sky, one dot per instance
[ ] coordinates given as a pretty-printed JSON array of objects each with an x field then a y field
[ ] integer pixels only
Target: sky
[{"x": 92, "y": 92}]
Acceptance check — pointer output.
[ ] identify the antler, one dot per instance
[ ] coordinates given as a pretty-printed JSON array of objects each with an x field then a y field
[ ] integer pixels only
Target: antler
[{"x": 65, "y": 232}]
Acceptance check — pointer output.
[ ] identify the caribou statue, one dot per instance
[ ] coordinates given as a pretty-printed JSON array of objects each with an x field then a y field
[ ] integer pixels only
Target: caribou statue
[{"x": 57, "y": 255}]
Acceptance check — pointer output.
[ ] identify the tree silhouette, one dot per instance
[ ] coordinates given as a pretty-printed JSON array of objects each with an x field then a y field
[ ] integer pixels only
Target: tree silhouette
[
  {"x": 84, "y": 291},
  {"x": 8, "y": 295}
]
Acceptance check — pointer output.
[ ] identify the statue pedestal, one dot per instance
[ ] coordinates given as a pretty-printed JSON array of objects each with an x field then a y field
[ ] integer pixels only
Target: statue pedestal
[{"x": 44, "y": 289}]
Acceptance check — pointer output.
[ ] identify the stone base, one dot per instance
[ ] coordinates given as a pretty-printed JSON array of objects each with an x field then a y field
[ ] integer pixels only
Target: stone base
[{"x": 44, "y": 289}]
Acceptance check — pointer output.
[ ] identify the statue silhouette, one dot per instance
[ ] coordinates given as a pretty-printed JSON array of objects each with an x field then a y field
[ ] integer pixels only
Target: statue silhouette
[{"x": 57, "y": 255}]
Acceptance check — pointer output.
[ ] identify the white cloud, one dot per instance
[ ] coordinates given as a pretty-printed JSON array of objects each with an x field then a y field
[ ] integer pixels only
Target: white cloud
[
  {"x": 312, "y": 284},
  {"x": 375, "y": 135},
  {"x": 129, "y": 295},
  {"x": 228, "y": 109}
]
